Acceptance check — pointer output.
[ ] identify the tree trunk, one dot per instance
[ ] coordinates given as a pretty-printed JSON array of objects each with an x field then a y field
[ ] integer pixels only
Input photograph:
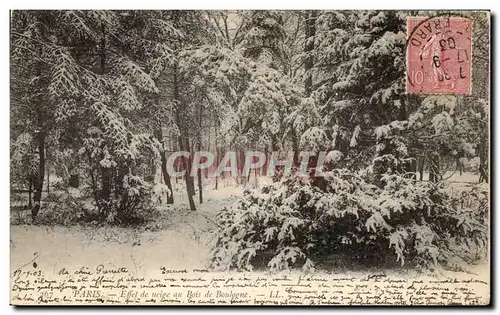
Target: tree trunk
[
  {"x": 119, "y": 176},
  {"x": 241, "y": 166},
  {"x": 105, "y": 172},
  {"x": 208, "y": 150},
  {"x": 166, "y": 177},
  {"x": 183, "y": 139},
  {"x": 422, "y": 166},
  {"x": 295, "y": 146},
  {"x": 106, "y": 183},
  {"x": 217, "y": 149},
  {"x": 460, "y": 166},
  {"x": 412, "y": 168},
  {"x": 434, "y": 174},
  {"x": 121, "y": 193},
  {"x": 41, "y": 171},
  {"x": 200, "y": 186},
  {"x": 40, "y": 136},
  {"x": 200, "y": 123},
  {"x": 265, "y": 166},
  {"x": 30, "y": 190},
  {"x": 309, "y": 47},
  {"x": 48, "y": 180},
  {"x": 184, "y": 146},
  {"x": 164, "y": 171},
  {"x": 483, "y": 153},
  {"x": 216, "y": 163}
]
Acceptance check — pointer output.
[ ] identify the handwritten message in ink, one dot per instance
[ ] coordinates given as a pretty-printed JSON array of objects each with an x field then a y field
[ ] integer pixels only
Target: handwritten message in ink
[{"x": 117, "y": 285}]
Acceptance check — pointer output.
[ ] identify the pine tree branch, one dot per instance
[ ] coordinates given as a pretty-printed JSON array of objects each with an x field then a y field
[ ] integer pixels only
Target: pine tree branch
[{"x": 34, "y": 54}]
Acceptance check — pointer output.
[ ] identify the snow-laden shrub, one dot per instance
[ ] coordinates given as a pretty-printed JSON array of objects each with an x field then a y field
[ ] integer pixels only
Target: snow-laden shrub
[
  {"x": 137, "y": 202},
  {"x": 113, "y": 159},
  {"x": 63, "y": 209},
  {"x": 300, "y": 223}
]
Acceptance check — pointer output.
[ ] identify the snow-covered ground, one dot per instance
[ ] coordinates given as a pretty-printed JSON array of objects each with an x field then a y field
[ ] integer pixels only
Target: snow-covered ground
[{"x": 183, "y": 238}]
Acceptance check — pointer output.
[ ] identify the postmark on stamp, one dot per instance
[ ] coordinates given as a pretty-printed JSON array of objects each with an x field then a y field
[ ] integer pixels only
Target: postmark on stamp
[{"x": 439, "y": 55}]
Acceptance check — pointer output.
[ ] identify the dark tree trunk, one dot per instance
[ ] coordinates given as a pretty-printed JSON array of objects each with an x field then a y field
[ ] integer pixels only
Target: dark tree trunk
[
  {"x": 151, "y": 177},
  {"x": 106, "y": 183},
  {"x": 412, "y": 168},
  {"x": 460, "y": 166},
  {"x": 184, "y": 146},
  {"x": 166, "y": 177},
  {"x": 309, "y": 48},
  {"x": 183, "y": 140},
  {"x": 241, "y": 158},
  {"x": 164, "y": 171},
  {"x": 200, "y": 123},
  {"x": 40, "y": 136},
  {"x": 182, "y": 121},
  {"x": 200, "y": 185},
  {"x": 483, "y": 158},
  {"x": 217, "y": 149},
  {"x": 265, "y": 166},
  {"x": 295, "y": 146},
  {"x": 48, "y": 180},
  {"x": 30, "y": 190},
  {"x": 41, "y": 171},
  {"x": 120, "y": 193},
  {"x": 105, "y": 172},
  {"x": 434, "y": 174},
  {"x": 119, "y": 176},
  {"x": 422, "y": 166},
  {"x": 208, "y": 150},
  {"x": 216, "y": 163}
]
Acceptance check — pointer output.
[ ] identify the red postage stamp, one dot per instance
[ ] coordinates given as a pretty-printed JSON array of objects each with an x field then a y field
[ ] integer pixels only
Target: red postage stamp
[{"x": 439, "y": 56}]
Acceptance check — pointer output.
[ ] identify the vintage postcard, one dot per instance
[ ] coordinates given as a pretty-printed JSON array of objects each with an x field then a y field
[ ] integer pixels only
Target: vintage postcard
[{"x": 172, "y": 157}]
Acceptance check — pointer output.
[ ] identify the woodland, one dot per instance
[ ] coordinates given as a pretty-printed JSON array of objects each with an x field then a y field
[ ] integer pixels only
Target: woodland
[{"x": 101, "y": 99}]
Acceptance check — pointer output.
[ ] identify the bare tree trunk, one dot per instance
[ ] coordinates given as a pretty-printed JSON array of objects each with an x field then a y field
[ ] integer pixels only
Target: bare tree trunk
[
  {"x": 483, "y": 167},
  {"x": 30, "y": 190},
  {"x": 151, "y": 176},
  {"x": 184, "y": 146},
  {"x": 48, "y": 180},
  {"x": 422, "y": 166},
  {"x": 121, "y": 194},
  {"x": 41, "y": 169},
  {"x": 241, "y": 163},
  {"x": 309, "y": 48},
  {"x": 460, "y": 166},
  {"x": 217, "y": 163},
  {"x": 482, "y": 163},
  {"x": 412, "y": 168},
  {"x": 217, "y": 149},
  {"x": 434, "y": 174},
  {"x": 200, "y": 123},
  {"x": 256, "y": 179},
  {"x": 164, "y": 171},
  {"x": 295, "y": 145},
  {"x": 105, "y": 172},
  {"x": 166, "y": 177},
  {"x": 200, "y": 186},
  {"x": 183, "y": 139},
  {"x": 221, "y": 156},
  {"x": 208, "y": 150},
  {"x": 40, "y": 136},
  {"x": 265, "y": 166}
]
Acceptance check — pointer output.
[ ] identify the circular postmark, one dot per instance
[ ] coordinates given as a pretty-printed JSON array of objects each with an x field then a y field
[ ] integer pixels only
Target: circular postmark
[{"x": 439, "y": 55}]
